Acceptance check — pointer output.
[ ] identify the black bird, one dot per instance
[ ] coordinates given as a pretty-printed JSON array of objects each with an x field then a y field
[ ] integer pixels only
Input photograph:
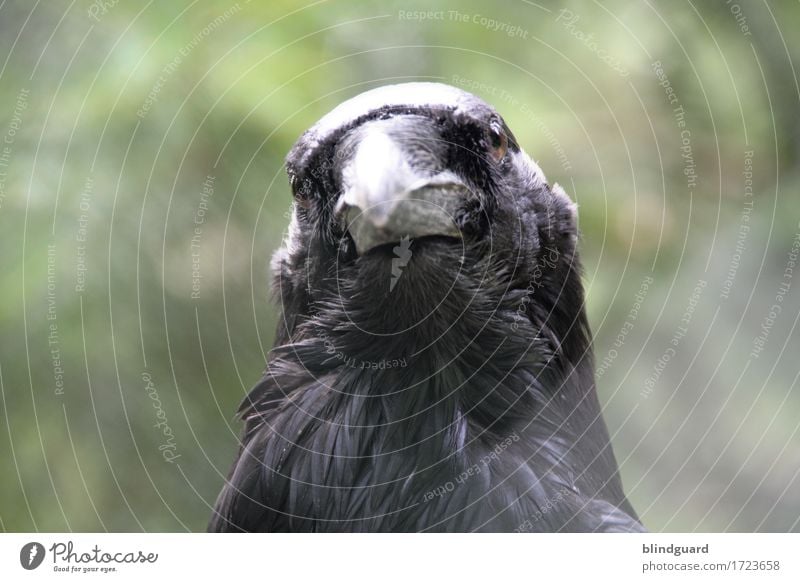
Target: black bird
[{"x": 432, "y": 369}]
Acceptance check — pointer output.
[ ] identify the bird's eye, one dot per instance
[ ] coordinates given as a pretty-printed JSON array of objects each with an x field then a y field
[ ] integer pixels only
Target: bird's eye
[{"x": 498, "y": 141}]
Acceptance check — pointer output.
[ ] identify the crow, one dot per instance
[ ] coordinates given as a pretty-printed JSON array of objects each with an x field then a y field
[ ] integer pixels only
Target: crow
[{"x": 432, "y": 368}]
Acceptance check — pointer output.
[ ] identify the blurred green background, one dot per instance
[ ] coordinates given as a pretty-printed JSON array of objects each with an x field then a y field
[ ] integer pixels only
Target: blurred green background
[{"x": 142, "y": 151}]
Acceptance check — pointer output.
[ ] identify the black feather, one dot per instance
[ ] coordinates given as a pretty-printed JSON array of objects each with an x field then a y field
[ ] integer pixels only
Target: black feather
[{"x": 462, "y": 399}]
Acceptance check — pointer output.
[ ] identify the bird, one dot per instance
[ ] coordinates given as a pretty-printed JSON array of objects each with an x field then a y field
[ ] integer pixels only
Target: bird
[{"x": 432, "y": 367}]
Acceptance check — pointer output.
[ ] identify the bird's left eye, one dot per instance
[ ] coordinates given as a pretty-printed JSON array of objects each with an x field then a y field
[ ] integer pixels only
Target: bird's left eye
[{"x": 498, "y": 141}]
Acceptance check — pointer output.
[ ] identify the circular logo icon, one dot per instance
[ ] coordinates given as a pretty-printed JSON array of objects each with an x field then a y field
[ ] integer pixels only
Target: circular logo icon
[{"x": 31, "y": 555}]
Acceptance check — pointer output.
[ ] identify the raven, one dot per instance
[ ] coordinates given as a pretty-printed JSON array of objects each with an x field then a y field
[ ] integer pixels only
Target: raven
[{"x": 432, "y": 369}]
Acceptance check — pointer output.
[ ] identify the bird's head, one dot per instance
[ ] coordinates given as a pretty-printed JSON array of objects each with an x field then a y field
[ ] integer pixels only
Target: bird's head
[{"x": 428, "y": 178}]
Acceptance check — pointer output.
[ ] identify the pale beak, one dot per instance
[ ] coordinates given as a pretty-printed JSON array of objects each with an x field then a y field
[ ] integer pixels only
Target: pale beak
[{"x": 386, "y": 200}]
